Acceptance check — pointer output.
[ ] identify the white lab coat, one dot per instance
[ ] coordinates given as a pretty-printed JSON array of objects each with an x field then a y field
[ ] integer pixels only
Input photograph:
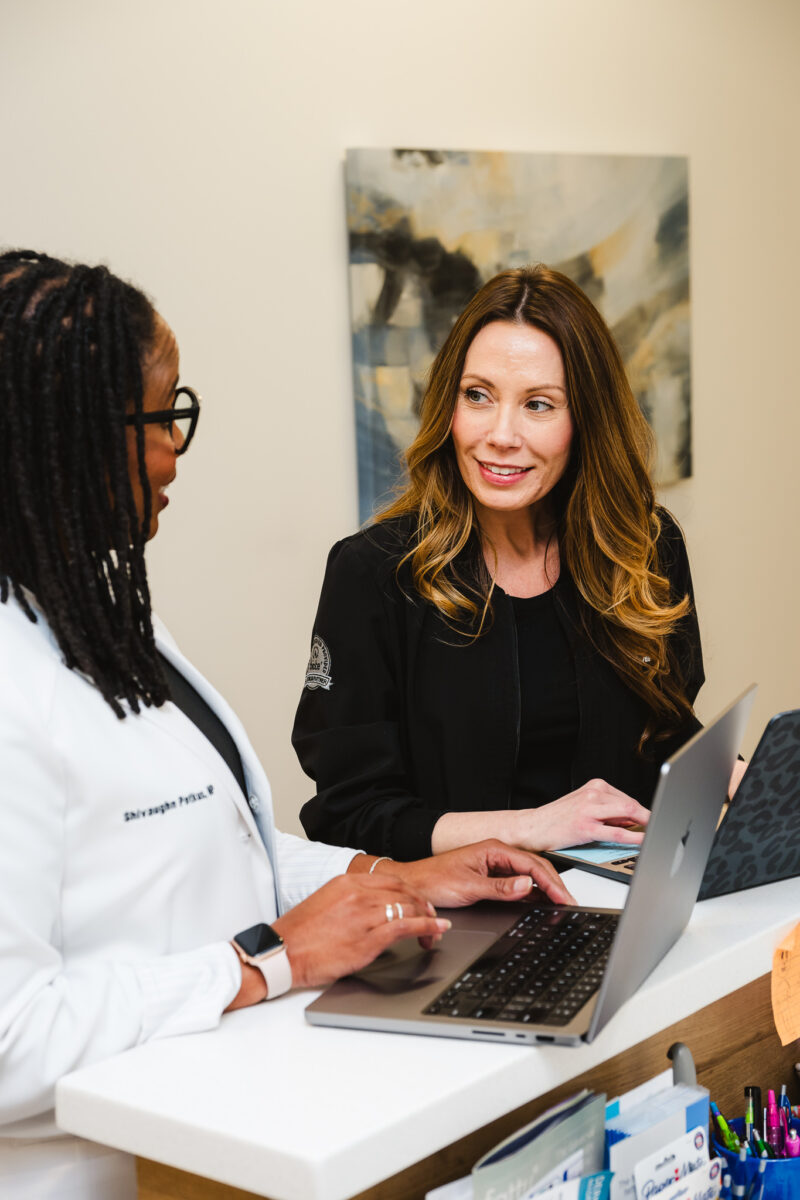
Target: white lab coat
[{"x": 128, "y": 858}]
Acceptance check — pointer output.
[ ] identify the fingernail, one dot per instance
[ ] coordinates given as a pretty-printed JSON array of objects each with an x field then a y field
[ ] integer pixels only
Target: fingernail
[
  {"x": 431, "y": 910},
  {"x": 443, "y": 924},
  {"x": 522, "y": 884}
]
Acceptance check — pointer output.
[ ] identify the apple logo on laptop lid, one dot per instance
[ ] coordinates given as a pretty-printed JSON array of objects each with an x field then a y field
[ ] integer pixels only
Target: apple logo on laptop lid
[{"x": 680, "y": 851}]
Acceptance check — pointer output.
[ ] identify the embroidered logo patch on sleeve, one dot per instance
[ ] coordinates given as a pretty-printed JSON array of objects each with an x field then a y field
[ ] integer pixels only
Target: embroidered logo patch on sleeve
[{"x": 318, "y": 671}]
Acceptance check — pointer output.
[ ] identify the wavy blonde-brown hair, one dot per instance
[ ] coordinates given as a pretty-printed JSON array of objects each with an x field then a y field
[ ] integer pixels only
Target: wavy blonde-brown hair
[{"x": 608, "y": 523}]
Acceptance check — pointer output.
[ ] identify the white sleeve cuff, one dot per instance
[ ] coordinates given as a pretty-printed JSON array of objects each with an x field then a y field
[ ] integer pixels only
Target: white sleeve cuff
[
  {"x": 187, "y": 993},
  {"x": 305, "y": 866}
]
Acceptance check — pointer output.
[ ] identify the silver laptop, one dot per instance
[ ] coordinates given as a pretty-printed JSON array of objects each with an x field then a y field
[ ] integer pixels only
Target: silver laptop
[
  {"x": 757, "y": 840},
  {"x": 536, "y": 972}
]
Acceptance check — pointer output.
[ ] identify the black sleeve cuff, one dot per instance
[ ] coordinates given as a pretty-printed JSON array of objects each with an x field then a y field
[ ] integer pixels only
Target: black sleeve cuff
[{"x": 412, "y": 832}]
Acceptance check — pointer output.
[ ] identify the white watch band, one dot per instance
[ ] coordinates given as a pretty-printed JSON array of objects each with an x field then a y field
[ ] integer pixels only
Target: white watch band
[
  {"x": 277, "y": 971},
  {"x": 273, "y": 964}
]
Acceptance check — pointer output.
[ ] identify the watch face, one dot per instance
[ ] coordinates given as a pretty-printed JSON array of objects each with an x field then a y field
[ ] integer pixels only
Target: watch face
[{"x": 258, "y": 939}]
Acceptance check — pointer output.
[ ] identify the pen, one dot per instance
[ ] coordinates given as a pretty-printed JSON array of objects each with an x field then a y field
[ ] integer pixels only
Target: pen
[
  {"x": 784, "y": 1101},
  {"x": 774, "y": 1130},
  {"x": 725, "y": 1190},
  {"x": 791, "y": 1147},
  {"x": 752, "y": 1095},
  {"x": 785, "y": 1107},
  {"x": 724, "y": 1131},
  {"x": 739, "y": 1187},
  {"x": 756, "y": 1189},
  {"x": 759, "y": 1146}
]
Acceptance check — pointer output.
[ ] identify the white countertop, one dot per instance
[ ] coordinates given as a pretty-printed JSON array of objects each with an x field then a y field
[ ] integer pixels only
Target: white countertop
[{"x": 278, "y": 1107}]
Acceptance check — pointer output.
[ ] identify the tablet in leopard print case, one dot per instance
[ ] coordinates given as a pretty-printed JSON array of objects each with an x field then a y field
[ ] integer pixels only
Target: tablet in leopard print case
[{"x": 759, "y": 839}]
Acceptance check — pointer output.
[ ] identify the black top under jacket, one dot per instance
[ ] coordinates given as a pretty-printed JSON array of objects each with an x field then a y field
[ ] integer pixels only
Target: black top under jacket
[
  {"x": 192, "y": 705},
  {"x": 401, "y": 720},
  {"x": 548, "y": 693}
]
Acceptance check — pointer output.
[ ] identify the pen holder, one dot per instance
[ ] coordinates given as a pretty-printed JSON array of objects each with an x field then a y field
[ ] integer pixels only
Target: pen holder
[{"x": 781, "y": 1176}]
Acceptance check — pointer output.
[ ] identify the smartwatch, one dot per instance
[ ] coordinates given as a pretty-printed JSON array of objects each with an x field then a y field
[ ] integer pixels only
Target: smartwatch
[{"x": 262, "y": 947}]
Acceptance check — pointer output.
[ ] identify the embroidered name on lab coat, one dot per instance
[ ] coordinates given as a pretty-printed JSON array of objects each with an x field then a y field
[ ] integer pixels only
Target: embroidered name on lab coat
[{"x": 158, "y": 810}]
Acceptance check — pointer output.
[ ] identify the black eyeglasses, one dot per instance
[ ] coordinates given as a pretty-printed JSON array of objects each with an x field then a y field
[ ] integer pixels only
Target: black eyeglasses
[{"x": 181, "y": 418}]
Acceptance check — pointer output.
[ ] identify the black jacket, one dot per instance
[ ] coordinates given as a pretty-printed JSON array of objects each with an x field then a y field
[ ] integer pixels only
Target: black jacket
[{"x": 401, "y": 720}]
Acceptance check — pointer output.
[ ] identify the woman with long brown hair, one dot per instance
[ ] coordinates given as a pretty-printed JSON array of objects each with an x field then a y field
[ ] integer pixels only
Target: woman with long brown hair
[{"x": 512, "y": 648}]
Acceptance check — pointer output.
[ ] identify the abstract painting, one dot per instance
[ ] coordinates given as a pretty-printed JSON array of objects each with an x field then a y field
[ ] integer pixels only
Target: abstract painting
[{"x": 428, "y": 227}]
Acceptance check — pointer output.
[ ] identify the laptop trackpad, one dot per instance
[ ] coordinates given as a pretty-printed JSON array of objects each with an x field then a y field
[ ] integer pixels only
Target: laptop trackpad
[{"x": 406, "y": 967}]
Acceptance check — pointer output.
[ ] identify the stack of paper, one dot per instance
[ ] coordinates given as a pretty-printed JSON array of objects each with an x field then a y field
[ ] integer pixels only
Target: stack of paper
[
  {"x": 656, "y": 1124},
  {"x": 650, "y": 1144}
]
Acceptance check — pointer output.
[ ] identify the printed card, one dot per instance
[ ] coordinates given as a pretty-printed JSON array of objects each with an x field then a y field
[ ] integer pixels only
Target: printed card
[
  {"x": 672, "y": 1162},
  {"x": 702, "y": 1184}
]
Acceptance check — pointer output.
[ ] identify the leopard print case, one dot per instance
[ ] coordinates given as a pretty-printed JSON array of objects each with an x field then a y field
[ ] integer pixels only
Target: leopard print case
[{"x": 759, "y": 840}]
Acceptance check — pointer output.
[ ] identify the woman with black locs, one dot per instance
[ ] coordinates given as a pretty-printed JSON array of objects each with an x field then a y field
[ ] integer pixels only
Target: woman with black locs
[
  {"x": 120, "y": 905},
  {"x": 512, "y": 646}
]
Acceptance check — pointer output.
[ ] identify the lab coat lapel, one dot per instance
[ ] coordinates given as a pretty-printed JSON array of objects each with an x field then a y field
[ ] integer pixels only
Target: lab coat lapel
[{"x": 258, "y": 814}]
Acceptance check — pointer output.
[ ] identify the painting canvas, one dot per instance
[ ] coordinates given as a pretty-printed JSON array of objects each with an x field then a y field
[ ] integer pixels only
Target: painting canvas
[{"x": 428, "y": 227}]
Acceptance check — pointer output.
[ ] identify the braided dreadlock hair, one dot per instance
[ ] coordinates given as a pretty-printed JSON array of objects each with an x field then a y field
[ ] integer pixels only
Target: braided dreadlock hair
[{"x": 72, "y": 342}]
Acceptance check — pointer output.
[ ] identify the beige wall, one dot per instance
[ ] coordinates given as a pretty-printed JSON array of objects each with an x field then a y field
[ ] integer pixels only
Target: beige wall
[{"x": 196, "y": 146}]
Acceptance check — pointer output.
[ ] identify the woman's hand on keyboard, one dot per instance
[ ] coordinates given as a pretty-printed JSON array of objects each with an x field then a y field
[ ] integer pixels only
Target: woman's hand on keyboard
[{"x": 595, "y": 812}]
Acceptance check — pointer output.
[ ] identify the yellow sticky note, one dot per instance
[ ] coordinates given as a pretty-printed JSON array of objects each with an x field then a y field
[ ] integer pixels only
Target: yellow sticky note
[{"x": 786, "y": 987}]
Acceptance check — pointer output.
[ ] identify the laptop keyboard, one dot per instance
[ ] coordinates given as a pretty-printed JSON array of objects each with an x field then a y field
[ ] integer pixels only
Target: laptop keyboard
[{"x": 541, "y": 971}]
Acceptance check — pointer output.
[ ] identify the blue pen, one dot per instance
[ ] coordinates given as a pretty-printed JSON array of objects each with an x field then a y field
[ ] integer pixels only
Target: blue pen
[
  {"x": 785, "y": 1110},
  {"x": 725, "y": 1190},
  {"x": 739, "y": 1186},
  {"x": 756, "y": 1188},
  {"x": 785, "y": 1102}
]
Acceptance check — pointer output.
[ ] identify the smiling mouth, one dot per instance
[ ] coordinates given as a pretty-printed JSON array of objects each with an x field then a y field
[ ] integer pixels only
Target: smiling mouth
[{"x": 497, "y": 470}]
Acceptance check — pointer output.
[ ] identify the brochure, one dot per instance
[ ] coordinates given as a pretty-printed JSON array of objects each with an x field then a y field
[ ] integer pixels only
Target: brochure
[
  {"x": 562, "y": 1144},
  {"x": 590, "y": 1187}
]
